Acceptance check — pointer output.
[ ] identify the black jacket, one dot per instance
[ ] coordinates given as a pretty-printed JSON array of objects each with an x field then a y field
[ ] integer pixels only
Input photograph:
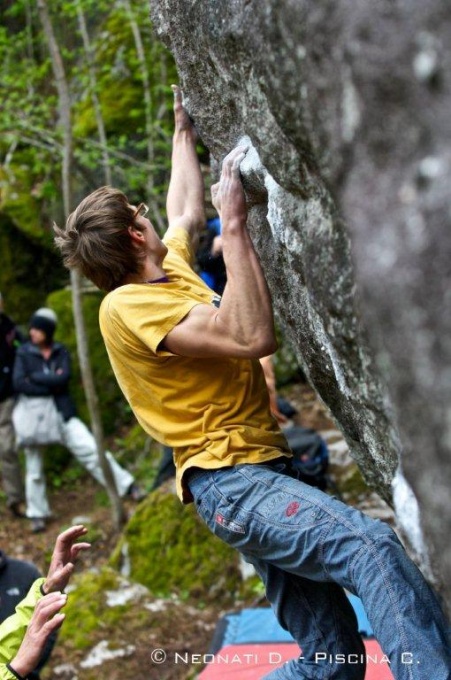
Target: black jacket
[
  {"x": 9, "y": 339},
  {"x": 37, "y": 377},
  {"x": 16, "y": 579}
]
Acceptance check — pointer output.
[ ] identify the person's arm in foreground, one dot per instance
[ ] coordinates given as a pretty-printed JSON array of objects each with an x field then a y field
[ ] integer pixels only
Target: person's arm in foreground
[
  {"x": 185, "y": 198},
  {"x": 45, "y": 620},
  {"x": 243, "y": 326},
  {"x": 13, "y": 629}
]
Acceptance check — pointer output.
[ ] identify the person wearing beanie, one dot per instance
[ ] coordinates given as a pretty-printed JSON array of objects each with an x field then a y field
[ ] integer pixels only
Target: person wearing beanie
[
  {"x": 42, "y": 368},
  {"x": 44, "y": 319}
]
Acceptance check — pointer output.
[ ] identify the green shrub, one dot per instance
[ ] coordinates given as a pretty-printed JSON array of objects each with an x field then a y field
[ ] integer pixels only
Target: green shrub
[{"x": 171, "y": 551}]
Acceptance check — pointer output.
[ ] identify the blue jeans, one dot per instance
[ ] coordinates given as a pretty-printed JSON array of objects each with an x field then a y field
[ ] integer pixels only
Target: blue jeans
[{"x": 307, "y": 546}]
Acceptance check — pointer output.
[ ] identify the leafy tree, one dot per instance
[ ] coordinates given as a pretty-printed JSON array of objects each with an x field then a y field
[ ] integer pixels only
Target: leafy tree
[
  {"x": 111, "y": 58},
  {"x": 64, "y": 107},
  {"x": 120, "y": 76},
  {"x": 86, "y": 101}
]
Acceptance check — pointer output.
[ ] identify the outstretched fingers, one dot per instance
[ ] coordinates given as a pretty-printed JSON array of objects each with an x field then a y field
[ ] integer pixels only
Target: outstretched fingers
[
  {"x": 231, "y": 163},
  {"x": 77, "y": 548},
  {"x": 65, "y": 549},
  {"x": 47, "y": 608},
  {"x": 65, "y": 542},
  {"x": 66, "y": 538},
  {"x": 64, "y": 555}
]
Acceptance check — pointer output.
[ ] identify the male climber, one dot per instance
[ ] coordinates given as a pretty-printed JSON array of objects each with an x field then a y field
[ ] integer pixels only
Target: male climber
[{"x": 189, "y": 368}]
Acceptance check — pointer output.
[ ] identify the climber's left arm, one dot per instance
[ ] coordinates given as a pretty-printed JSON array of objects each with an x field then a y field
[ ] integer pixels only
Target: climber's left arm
[{"x": 185, "y": 199}]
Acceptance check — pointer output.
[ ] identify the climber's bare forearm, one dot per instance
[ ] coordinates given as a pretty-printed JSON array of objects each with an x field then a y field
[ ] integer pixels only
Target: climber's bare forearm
[
  {"x": 185, "y": 199},
  {"x": 243, "y": 326},
  {"x": 246, "y": 305}
]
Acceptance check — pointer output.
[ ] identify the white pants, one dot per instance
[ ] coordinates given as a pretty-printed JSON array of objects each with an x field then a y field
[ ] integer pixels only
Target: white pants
[{"x": 80, "y": 442}]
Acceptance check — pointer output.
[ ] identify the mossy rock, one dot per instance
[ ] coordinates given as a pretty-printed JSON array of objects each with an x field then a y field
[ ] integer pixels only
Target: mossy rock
[
  {"x": 106, "y": 611},
  {"x": 89, "y": 615},
  {"x": 351, "y": 483},
  {"x": 171, "y": 551}
]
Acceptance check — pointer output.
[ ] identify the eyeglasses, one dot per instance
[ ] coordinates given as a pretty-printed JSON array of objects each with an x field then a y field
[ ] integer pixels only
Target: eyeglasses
[{"x": 141, "y": 210}]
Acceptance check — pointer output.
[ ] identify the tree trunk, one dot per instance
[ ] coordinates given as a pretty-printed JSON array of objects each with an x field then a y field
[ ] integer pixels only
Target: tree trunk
[
  {"x": 82, "y": 345},
  {"x": 95, "y": 100}
]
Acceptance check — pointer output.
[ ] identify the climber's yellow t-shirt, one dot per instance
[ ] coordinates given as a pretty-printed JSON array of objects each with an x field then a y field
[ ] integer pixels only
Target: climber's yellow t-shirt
[{"x": 213, "y": 412}]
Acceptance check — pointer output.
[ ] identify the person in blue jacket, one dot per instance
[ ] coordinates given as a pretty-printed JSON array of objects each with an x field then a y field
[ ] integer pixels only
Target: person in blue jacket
[{"x": 209, "y": 257}]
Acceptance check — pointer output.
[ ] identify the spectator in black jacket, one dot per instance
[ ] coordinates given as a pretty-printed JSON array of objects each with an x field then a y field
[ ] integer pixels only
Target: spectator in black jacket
[
  {"x": 42, "y": 368},
  {"x": 27, "y": 635},
  {"x": 10, "y": 338},
  {"x": 16, "y": 579}
]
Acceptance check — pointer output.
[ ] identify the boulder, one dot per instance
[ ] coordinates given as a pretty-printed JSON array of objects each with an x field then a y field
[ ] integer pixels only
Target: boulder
[{"x": 346, "y": 107}]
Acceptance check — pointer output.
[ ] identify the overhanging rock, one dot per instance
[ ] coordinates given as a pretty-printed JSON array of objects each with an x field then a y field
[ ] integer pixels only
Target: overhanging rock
[{"x": 347, "y": 108}]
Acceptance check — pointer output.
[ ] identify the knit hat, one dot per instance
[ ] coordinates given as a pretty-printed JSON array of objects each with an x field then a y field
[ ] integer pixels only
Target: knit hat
[{"x": 44, "y": 319}]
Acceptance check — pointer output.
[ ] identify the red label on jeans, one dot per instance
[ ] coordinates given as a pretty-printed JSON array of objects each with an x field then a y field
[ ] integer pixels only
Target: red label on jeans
[{"x": 292, "y": 508}]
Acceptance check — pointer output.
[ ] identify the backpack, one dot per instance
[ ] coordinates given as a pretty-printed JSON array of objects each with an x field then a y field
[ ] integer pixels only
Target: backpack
[
  {"x": 310, "y": 456},
  {"x": 285, "y": 407}
]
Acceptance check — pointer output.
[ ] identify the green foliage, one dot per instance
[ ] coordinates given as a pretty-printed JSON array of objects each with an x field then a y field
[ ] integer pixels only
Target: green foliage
[
  {"x": 18, "y": 199},
  {"x": 138, "y": 128},
  {"x": 171, "y": 551},
  {"x": 28, "y": 272},
  {"x": 136, "y": 451},
  {"x": 30, "y": 136}
]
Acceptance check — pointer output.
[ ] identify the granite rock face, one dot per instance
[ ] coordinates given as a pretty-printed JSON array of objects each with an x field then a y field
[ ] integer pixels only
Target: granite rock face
[{"x": 347, "y": 106}]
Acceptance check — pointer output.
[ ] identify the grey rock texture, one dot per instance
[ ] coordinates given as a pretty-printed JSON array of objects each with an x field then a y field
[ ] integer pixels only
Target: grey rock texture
[{"x": 348, "y": 109}]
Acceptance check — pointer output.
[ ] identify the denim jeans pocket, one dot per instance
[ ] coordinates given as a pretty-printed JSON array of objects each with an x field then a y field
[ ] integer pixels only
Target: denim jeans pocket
[
  {"x": 283, "y": 501},
  {"x": 285, "y": 510}
]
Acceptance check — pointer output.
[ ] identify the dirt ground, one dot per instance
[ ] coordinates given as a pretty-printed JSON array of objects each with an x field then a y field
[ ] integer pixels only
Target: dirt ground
[{"x": 174, "y": 627}]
